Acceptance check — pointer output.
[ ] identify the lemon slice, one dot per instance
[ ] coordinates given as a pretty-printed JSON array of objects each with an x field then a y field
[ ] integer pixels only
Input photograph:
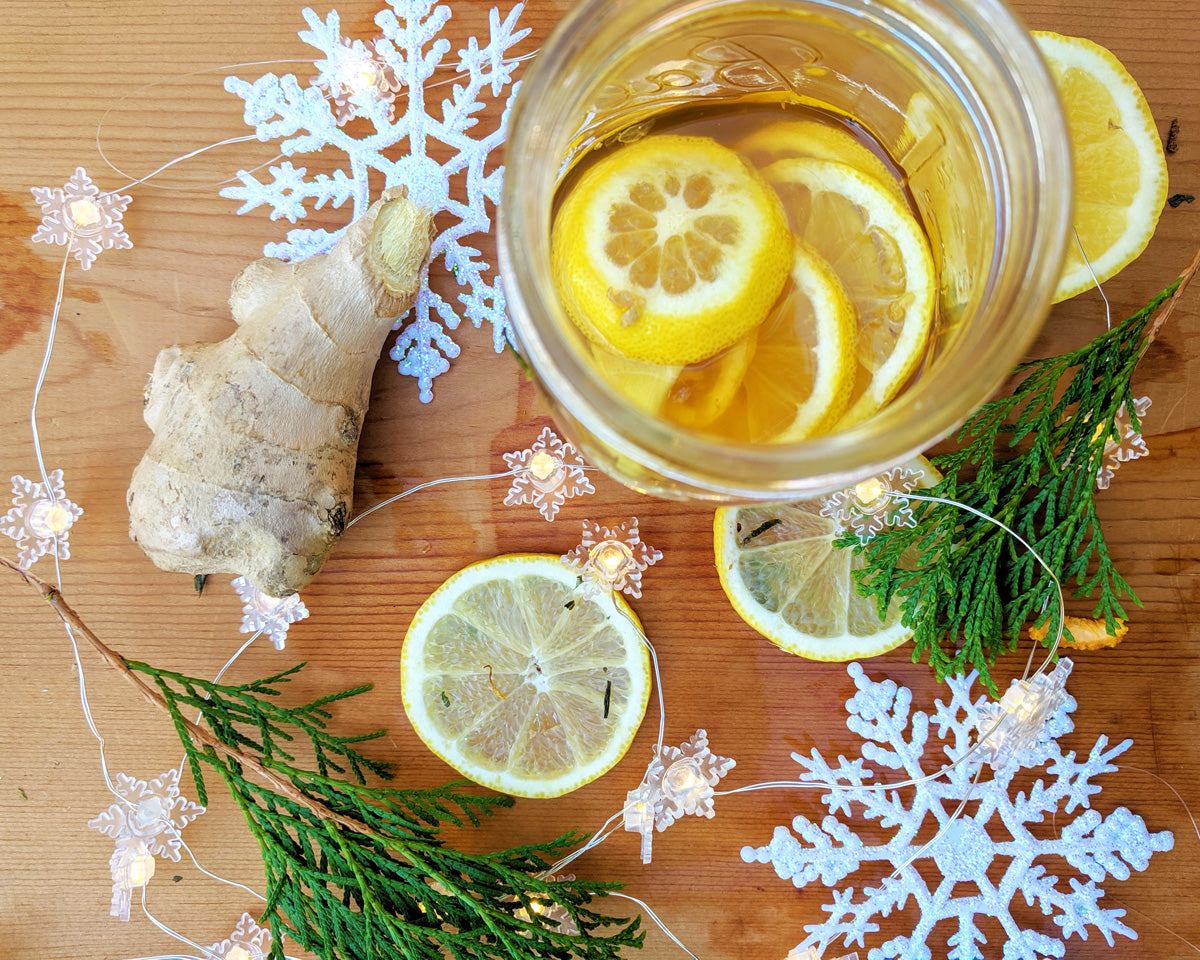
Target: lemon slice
[
  {"x": 645, "y": 385},
  {"x": 670, "y": 249},
  {"x": 1120, "y": 170},
  {"x": 784, "y": 577},
  {"x": 787, "y": 139},
  {"x": 802, "y": 371},
  {"x": 702, "y": 392},
  {"x": 877, "y": 249},
  {"x": 519, "y": 682}
]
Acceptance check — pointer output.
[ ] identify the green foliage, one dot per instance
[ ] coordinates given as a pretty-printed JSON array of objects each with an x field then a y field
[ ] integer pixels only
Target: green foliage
[
  {"x": 362, "y": 873},
  {"x": 1029, "y": 460}
]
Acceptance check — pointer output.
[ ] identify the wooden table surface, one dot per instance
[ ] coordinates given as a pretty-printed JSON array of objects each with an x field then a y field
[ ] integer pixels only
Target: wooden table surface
[{"x": 65, "y": 65}]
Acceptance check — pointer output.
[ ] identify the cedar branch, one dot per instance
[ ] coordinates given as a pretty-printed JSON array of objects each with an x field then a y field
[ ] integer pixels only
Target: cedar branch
[{"x": 198, "y": 734}]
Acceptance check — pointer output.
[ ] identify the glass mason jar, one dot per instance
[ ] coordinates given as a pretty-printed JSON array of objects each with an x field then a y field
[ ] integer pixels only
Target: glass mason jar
[{"x": 954, "y": 90}]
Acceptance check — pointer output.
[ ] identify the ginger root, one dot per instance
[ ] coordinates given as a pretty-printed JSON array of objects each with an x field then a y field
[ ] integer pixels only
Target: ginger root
[{"x": 251, "y": 469}]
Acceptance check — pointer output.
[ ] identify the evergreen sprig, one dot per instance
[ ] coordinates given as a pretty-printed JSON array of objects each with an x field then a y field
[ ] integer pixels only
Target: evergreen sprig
[
  {"x": 356, "y": 872},
  {"x": 1028, "y": 459}
]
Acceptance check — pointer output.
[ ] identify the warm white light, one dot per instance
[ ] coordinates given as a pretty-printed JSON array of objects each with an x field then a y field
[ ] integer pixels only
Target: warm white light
[
  {"x": 141, "y": 869},
  {"x": 537, "y": 907},
  {"x": 359, "y": 77},
  {"x": 238, "y": 952},
  {"x": 49, "y": 519},
  {"x": 85, "y": 213},
  {"x": 609, "y": 557},
  {"x": 870, "y": 492},
  {"x": 682, "y": 779},
  {"x": 543, "y": 465}
]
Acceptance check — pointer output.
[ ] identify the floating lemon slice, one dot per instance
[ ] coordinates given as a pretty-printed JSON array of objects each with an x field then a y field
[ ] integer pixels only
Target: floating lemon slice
[
  {"x": 519, "y": 682},
  {"x": 784, "y": 577},
  {"x": 1120, "y": 170},
  {"x": 702, "y": 392},
  {"x": 788, "y": 139},
  {"x": 800, "y": 377},
  {"x": 670, "y": 249},
  {"x": 876, "y": 247}
]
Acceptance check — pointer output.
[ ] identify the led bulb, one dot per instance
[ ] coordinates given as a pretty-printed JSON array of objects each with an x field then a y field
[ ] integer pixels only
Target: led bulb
[
  {"x": 85, "y": 213},
  {"x": 609, "y": 557},
  {"x": 48, "y": 519},
  {"x": 543, "y": 465},
  {"x": 141, "y": 869},
  {"x": 870, "y": 493},
  {"x": 238, "y": 952},
  {"x": 682, "y": 780},
  {"x": 359, "y": 76}
]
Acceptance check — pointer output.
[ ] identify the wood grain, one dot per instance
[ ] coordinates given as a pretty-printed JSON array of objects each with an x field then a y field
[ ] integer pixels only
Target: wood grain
[{"x": 155, "y": 82}]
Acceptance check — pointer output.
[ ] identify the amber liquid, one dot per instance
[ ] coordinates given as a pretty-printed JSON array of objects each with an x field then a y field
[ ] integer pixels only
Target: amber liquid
[{"x": 699, "y": 388}]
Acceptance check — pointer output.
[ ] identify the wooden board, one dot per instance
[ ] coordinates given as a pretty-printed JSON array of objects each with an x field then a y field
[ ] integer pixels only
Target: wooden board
[{"x": 155, "y": 84}]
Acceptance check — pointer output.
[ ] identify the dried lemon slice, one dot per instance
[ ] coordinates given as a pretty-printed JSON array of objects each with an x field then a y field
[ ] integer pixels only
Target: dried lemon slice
[
  {"x": 877, "y": 249},
  {"x": 1120, "y": 170},
  {"x": 519, "y": 682},
  {"x": 670, "y": 249}
]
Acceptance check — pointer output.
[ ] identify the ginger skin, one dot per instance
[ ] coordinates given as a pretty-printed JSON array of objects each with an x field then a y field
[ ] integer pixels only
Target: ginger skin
[{"x": 251, "y": 468}]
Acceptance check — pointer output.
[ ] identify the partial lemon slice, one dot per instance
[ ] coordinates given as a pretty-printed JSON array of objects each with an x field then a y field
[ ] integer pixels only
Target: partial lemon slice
[
  {"x": 519, "y": 682},
  {"x": 671, "y": 249},
  {"x": 799, "y": 380},
  {"x": 788, "y": 139},
  {"x": 645, "y": 385},
  {"x": 703, "y": 391},
  {"x": 1120, "y": 170},
  {"x": 877, "y": 249},
  {"x": 784, "y": 577}
]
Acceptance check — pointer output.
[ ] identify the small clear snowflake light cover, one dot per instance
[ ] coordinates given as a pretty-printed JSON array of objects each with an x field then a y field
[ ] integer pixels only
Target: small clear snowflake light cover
[
  {"x": 40, "y": 520},
  {"x": 612, "y": 558},
  {"x": 554, "y": 913},
  {"x": 77, "y": 214},
  {"x": 248, "y": 941},
  {"x": 368, "y": 80},
  {"x": 272, "y": 615},
  {"x": 1098, "y": 847},
  {"x": 131, "y": 866},
  {"x": 679, "y": 782},
  {"x": 1009, "y": 729},
  {"x": 874, "y": 505},
  {"x": 547, "y": 474},
  {"x": 1131, "y": 445}
]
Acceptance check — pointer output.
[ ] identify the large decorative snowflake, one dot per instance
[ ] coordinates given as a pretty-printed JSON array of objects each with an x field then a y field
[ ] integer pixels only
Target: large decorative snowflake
[
  {"x": 78, "y": 215},
  {"x": 965, "y": 851},
  {"x": 547, "y": 474},
  {"x": 40, "y": 520},
  {"x": 409, "y": 145}
]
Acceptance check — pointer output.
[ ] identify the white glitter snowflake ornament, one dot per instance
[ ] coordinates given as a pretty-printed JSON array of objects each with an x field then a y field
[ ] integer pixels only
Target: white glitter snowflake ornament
[
  {"x": 1131, "y": 445},
  {"x": 362, "y": 79},
  {"x": 547, "y": 474},
  {"x": 78, "y": 215},
  {"x": 1010, "y": 728},
  {"x": 612, "y": 558},
  {"x": 248, "y": 941},
  {"x": 40, "y": 521},
  {"x": 272, "y": 615},
  {"x": 966, "y": 850},
  {"x": 678, "y": 783},
  {"x": 876, "y": 504}
]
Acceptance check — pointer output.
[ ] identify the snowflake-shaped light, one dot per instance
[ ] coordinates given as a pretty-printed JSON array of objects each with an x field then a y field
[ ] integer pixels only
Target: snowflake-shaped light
[
  {"x": 876, "y": 504},
  {"x": 410, "y": 146},
  {"x": 148, "y": 813},
  {"x": 1129, "y": 445},
  {"x": 612, "y": 558},
  {"x": 248, "y": 941},
  {"x": 78, "y": 215},
  {"x": 131, "y": 866},
  {"x": 1097, "y": 847},
  {"x": 272, "y": 615},
  {"x": 812, "y": 953},
  {"x": 1008, "y": 729},
  {"x": 40, "y": 520},
  {"x": 354, "y": 77},
  {"x": 678, "y": 783},
  {"x": 553, "y": 913},
  {"x": 547, "y": 474}
]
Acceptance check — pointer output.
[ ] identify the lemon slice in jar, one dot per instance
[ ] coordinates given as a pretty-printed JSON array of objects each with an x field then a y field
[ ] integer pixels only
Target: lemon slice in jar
[
  {"x": 520, "y": 682},
  {"x": 670, "y": 249},
  {"x": 882, "y": 258}
]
